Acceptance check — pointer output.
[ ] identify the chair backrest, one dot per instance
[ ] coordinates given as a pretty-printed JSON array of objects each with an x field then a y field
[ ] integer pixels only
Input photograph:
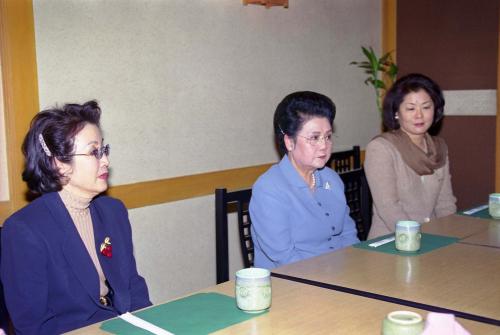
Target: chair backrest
[
  {"x": 359, "y": 200},
  {"x": 228, "y": 202},
  {"x": 348, "y": 160}
]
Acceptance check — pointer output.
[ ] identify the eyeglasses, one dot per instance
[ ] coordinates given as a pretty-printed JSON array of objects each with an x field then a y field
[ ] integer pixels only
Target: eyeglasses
[
  {"x": 316, "y": 139},
  {"x": 97, "y": 153}
]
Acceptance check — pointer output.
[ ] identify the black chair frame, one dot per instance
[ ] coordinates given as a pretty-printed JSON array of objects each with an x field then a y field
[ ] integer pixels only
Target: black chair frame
[
  {"x": 226, "y": 202},
  {"x": 359, "y": 200},
  {"x": 342, "y": 161}
]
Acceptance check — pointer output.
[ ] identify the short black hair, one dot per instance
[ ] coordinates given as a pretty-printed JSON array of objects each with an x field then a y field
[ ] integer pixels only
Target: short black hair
[
  {"x": 56, "y": 128},
  {"x": 412, "y": 82},
  {"x": 297, "y": 108}
]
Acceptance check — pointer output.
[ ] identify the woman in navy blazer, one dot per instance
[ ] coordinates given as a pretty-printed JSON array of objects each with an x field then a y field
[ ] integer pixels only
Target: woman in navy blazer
[{"x": 67, "y": 257}]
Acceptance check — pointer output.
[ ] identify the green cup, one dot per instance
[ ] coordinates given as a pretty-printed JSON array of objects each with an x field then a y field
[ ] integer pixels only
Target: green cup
[
  {"x": 253, "y": 290},
  {"x": 403, "y": 323},
  {"x": 494, "y": 205},
  {"x": 408, "y": 236}
]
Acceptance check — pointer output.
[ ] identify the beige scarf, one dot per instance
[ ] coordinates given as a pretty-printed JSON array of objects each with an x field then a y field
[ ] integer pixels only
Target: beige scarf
[{"x": 419, "y": 161}]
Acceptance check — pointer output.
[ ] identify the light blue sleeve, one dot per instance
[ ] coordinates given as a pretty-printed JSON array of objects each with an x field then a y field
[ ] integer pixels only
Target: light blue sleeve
[{"x": 271, "y": 212}]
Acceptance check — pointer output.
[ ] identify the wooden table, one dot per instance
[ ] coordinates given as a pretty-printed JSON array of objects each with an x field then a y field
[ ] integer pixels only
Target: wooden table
[
  {"x": 489, "y": 237},
  {"x": 305, "y": 309},
  {"x": 460, "y": 226},
  {"x": 460, "y": 277}
]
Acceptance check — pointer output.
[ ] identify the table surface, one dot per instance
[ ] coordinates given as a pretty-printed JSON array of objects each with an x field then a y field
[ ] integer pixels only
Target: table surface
[
  {"x": 305, "y": 309},
  {"x": 488, "y": 238},
  {"x": 460, "y": 277},
  {"x": 459, "y": 226}
]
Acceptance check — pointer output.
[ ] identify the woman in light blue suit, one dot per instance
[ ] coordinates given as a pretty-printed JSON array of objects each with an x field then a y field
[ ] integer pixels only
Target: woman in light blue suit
[
  {"x": 298, "y": 207},
  {"x": 67, "y": 257}
]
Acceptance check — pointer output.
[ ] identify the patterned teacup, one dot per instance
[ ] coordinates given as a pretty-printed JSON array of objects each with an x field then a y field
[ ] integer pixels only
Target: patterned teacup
[
  {"x": 494, "y": 205},
  {"x": 403, "y": 323},
  {"x": 253, "y": 289},
  {"x": 408, "y": 236}
]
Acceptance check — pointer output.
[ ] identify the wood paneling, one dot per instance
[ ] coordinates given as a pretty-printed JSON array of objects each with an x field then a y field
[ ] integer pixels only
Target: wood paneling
[
  {"x": 456, "y": 43},
  {"x": 452, "y": 41},
  {"x": 389, "y": 26},
  {"x": 20, "y": 90},
  {"x": 471, "y": 144}
]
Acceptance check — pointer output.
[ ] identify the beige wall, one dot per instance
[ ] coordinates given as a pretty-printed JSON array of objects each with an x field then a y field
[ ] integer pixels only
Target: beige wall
[{"x": 191, "y": 86}]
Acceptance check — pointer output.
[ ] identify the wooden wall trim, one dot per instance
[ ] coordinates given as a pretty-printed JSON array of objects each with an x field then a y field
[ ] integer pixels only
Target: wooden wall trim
[
  {"x": 389, "y": 27},
  {"x": 5, "y": 210},
  {"x": 179, "y": 188},
  {"x": 20, "y": 90}
]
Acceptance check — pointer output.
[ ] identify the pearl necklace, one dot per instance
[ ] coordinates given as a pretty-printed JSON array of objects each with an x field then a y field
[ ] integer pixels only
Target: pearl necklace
[{"x": 313, "y": 181}]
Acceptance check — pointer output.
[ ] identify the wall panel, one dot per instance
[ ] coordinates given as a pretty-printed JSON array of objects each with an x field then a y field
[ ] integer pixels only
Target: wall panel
[{"x": 455, "y": 42}]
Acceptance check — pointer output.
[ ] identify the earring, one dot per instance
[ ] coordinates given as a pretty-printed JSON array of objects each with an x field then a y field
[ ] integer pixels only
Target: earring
[{"x": 396, "y": 117}]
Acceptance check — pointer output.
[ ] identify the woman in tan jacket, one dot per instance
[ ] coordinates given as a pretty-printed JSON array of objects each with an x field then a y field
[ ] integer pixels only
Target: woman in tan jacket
[{"x": 408, "y": 169}]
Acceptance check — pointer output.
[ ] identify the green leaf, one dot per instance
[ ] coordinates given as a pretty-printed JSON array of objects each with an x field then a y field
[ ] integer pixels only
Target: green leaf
[
  {"x": 393, "y": 70},
  {"x": 379, "y": 84}
]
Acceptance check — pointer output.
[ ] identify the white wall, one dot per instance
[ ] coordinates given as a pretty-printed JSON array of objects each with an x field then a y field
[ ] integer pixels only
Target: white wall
[
  {"x": 4, "y": 178},
  {"x": 191, "y": 86}
]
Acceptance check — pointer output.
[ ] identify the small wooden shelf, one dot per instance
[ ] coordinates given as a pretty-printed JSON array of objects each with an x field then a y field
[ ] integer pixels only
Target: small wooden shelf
[{"x": 267, "y": 3}]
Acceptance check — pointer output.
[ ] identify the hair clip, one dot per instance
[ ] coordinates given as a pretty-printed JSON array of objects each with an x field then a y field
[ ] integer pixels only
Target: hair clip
[
  {"x": 281, "y": 130},
  {"x": 44, "y": 145}
]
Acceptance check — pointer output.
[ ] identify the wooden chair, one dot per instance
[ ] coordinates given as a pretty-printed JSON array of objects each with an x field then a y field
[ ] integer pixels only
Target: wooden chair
[
  {"x": 227, "y": 202},
  {"x": 348, "y": 160},
  {"x": 358, "y": 197}
]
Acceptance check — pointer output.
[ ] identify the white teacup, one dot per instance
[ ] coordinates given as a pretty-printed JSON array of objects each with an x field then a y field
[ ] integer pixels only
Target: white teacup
[
  {"x": 494, "y": 205},
  {"x": 253, "y": 289},
  {"x": 408, "y": 236},
  {"x": 403, "y": 323}
]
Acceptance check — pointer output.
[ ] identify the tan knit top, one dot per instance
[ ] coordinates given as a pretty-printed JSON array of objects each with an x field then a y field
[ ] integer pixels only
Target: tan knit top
[{"x": 79, "y": 211}]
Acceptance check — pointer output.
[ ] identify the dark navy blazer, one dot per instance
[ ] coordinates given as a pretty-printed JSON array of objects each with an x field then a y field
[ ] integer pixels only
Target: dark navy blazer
[{"x": 50, "y": 283}]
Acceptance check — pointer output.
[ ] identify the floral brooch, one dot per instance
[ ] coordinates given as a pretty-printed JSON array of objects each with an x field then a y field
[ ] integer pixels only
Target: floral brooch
[{"x": 106, "y": 248}]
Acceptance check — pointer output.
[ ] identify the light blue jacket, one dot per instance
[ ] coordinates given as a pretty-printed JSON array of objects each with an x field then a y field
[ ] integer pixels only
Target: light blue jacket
[{"x": 291, "y": 223}]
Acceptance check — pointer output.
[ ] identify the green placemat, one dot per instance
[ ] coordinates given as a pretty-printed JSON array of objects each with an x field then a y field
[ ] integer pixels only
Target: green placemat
[
  {"x": 428, "y": 243},
  {"x": 200, "y": 313}
]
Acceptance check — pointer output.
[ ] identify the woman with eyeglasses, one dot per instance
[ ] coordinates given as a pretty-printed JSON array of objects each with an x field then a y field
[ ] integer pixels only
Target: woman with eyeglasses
[
  {"x": 67, "y": 257},
  {"x": 298, "y": 207}
]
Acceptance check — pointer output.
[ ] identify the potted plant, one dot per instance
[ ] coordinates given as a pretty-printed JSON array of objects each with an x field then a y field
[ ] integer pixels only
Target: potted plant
[{"x": 381, "y": 73}]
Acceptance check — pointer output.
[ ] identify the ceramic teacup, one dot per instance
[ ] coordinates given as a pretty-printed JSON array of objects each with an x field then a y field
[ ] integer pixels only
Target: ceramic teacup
[
  {"x": 494, "y": 205},
  {"x": 403, "y": 323},
  {"x": 408, "y": 236},
  {"x": 253, "y": 289}
]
